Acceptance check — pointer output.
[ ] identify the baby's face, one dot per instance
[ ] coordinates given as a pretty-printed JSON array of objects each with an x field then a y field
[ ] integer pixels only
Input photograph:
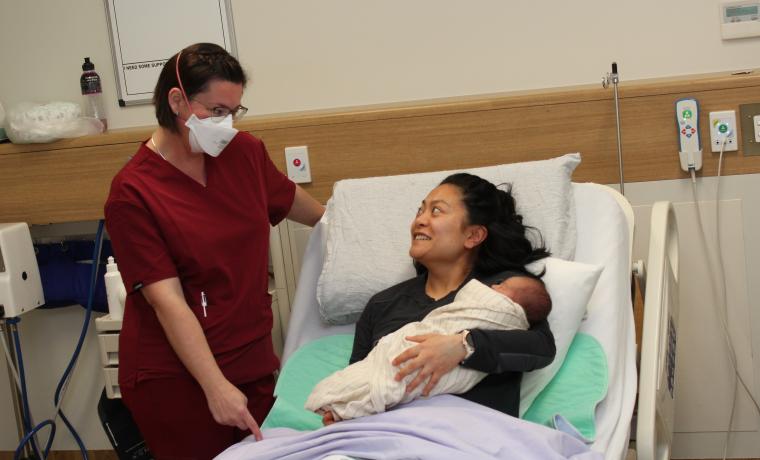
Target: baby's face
[
  {"x": 504, "y": 288},
  {"x": 515, "y": 288}
]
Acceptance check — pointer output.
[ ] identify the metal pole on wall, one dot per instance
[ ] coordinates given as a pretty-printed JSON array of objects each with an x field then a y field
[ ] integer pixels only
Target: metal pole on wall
[{"x": 614, "y": 79}]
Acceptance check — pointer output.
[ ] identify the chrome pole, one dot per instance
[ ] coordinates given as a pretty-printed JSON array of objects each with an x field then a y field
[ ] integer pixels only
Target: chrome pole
[{"x": 614, "y": 79}]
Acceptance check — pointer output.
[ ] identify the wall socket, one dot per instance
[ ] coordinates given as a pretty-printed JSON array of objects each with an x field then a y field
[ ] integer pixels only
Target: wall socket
[
  {"x": 747, "y": 113},
  {"x": 723, "y": 125}
]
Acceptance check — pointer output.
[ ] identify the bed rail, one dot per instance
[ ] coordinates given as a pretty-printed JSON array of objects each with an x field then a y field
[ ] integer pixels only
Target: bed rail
[{"x": 658, "y": 344}]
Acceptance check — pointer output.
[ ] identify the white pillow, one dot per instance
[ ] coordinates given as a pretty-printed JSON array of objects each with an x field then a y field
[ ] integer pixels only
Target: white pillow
[
  {"x": 368, "y": 235},
  {"x": 570, "y": 285}
]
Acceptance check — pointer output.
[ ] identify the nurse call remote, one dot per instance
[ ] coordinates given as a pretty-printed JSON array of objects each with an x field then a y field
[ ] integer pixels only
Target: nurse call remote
[{"x": 689, "y": 145}]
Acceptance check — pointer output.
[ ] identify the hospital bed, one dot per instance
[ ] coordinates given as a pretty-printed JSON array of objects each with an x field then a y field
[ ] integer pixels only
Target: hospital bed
[{"x": 604, "y": 226}]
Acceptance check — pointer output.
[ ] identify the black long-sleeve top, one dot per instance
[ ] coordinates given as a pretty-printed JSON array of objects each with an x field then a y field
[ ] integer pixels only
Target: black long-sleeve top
[{"x": 504, "y": 355}]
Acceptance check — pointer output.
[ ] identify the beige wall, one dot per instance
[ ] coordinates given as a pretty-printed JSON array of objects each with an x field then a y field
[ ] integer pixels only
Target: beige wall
[{"x": 306, "y": 55}]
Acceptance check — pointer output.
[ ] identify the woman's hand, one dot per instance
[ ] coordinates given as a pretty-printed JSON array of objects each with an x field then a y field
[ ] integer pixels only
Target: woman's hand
[
  {"x": 229, "y": 406},
  {"x": 434, "y": 356}
]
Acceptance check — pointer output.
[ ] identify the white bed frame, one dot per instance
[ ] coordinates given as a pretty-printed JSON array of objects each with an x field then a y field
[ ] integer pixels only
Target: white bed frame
[
  {"x": 659, "y": 284},
  {"x": 654, "y": 432},
  {"x": 656, "y": 392}
]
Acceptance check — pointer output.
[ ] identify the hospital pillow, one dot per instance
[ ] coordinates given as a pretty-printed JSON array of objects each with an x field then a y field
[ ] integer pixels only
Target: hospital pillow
[
  {"x": 570, "y": 285},
  {"x": 303, "y": 370},
  {"x": 369, "y": 219},
  {"x": 573, "y": 394}
]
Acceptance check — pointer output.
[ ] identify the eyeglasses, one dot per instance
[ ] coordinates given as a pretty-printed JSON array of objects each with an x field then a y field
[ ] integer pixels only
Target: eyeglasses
[{"x": 220, "y": 112}]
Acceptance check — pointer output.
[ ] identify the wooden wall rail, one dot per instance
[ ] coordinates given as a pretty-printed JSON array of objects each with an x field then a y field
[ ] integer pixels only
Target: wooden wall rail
[{"x": 68, "y": 180}]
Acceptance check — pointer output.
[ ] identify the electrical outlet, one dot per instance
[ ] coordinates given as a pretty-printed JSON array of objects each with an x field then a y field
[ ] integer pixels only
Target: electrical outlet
[
  {"x": 747, "y": 114},
  {"x": 723, "y": 125}
]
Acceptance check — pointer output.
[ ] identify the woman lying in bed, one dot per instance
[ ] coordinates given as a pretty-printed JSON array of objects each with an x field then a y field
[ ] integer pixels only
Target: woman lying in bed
[{"x": 466, "y": 228}]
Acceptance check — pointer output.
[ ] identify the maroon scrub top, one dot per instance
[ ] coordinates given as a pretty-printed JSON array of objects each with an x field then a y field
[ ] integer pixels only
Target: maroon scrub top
[{"x": 215, "y": 239}]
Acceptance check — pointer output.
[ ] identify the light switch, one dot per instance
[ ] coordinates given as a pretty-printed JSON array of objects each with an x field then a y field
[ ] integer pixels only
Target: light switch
[
  {"x": 297, "y": 161},
  {"x": 750, "y": 129}
]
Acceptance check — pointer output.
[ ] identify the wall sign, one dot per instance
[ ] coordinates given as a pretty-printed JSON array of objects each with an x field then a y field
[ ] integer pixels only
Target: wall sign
[{"x": 146, "y": 33}]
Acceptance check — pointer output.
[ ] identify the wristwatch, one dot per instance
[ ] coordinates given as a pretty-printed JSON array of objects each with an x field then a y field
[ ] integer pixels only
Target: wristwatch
[{"x": 469, "y": 347}]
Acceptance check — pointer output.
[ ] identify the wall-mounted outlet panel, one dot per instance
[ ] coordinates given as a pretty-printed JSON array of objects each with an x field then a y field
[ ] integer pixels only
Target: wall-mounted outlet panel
[
  {"x": 750, "y": 128},
  {"x": 723, "y": 126},
  {"x": 298, "y": 165}
]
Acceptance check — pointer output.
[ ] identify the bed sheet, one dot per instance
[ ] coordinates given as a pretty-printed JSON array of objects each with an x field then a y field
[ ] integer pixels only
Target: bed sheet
[
  {"x": 442, "y": 427},
  {"x": 603, "y": 238},
  {"x": 606, "y": 240}
]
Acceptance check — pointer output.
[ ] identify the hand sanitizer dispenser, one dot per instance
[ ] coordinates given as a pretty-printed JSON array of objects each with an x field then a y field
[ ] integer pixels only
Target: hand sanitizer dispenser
[
  {"x": 115, "y": 291},
  {"x": 20, "y": 283}
]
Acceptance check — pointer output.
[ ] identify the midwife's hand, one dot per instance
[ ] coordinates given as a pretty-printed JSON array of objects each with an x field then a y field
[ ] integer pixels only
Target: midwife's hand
[
  {"x": 434, "y": 356},
  {"x": 229, "y": 406}
]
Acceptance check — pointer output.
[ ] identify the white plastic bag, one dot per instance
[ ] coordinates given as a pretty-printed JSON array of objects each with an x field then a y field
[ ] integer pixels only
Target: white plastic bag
[{"x": 28, "y": 122}]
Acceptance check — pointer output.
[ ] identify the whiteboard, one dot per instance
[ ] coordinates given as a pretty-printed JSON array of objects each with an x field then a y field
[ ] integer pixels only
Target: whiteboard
[{"x": 146, "y": 33}]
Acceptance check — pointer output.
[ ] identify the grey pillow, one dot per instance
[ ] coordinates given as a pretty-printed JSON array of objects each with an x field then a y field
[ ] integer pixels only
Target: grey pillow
[{"x": 368, "y": 226}]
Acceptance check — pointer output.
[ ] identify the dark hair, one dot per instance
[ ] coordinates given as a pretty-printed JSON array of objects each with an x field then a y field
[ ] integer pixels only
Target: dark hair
[
  {"x": 199, "y": 64},
  {"x": 507, "y": 246}
]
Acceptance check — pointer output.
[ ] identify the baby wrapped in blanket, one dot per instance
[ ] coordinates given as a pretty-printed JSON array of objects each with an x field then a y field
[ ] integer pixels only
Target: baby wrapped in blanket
[{"x": 369, "y": 387}]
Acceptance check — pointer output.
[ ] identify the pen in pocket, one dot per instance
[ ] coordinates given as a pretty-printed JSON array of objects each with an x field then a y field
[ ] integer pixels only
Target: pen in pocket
[{"x": 204, "y": 303}]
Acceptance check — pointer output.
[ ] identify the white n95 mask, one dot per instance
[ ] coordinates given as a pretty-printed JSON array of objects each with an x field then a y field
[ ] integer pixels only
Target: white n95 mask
[{"x": 208, "y": 136}]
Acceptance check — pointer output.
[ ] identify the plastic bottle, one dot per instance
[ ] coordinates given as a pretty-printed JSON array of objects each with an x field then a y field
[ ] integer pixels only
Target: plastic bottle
[
  {"x": 93, "y": 93},
  {"x": 116, "y": 294}
]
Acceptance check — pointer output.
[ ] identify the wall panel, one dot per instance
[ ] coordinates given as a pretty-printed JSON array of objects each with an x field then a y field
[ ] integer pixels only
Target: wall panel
[{"x": 69, "y": 180}]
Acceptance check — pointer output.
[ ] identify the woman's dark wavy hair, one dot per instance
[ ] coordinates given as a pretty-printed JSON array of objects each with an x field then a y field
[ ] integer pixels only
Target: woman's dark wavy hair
[
  {"x": 199, "y": 64},
  {"x": 507, "y": 246}
]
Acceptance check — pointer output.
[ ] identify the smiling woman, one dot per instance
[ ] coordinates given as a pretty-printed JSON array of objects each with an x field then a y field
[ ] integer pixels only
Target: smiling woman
[
  {"x": 466, "y": 228},
  {"x": 440, "y": 231},
  {"x": 189, "y": 219}
]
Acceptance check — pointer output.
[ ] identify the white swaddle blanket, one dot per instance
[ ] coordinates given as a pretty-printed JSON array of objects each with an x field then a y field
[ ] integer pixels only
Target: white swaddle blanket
[{"x": 369, "y": 387}]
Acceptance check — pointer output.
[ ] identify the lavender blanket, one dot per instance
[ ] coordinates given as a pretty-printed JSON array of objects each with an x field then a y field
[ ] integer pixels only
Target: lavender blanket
[{"x": 442, "y": 427}]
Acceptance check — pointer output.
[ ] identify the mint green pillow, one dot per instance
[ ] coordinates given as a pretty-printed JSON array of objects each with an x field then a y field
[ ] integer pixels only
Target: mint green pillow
[
  {"x": 576, "y": 389},
  {"x": 573, "y": 393},
  {"x": 306, "y": 367}
]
